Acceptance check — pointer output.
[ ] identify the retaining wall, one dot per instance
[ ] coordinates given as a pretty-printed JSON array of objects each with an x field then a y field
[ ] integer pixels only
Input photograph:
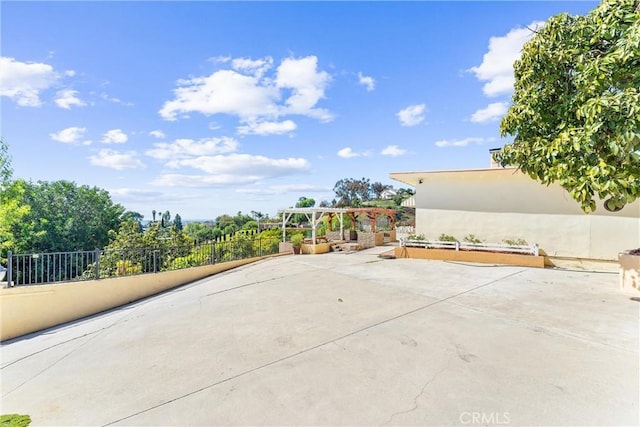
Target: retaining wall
[{"x": 28, "y": 309}]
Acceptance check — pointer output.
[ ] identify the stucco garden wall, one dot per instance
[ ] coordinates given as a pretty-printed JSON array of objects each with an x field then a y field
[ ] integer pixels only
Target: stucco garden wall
[{"x": 28, "y": 309}]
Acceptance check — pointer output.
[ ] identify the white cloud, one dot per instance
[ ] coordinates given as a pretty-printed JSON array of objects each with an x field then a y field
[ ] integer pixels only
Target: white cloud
[
  {"x": 393, "y": 150},
  {"x": 497, "y": 64},
  {"x": 23, "y": 81},
  {"x": 135, "y": 194},
  {"x": 183, "y": 148},
  {"x": 367, "y": 82},
  {"x": 462, "y": 142},
  {"x": 221, "y": 180},
  {"x": 118, "y": 160},
  {"x": 245, "y": 92},
  {"x": 157, "y": 134},
  {"x": 255, "y": 67},
  {"x": 231, "y": 169},
  {"x": 307, "y": 84},
  {"x": 348, "y": 153},
  {"x": 223, "y": 92},
  {"x": 70, "y": 135},
  {"x": 67, "y": 98},
  {"x": 267, "y": 128},
  {"x": 491, "y": 112},
  {"x": 412, "y": 115},
  {"x": 115, "y": 136},
  {"x": 115, "y": 100},
  {"x": 243, "y": 164},
  {"x": 285, "y": 188}
]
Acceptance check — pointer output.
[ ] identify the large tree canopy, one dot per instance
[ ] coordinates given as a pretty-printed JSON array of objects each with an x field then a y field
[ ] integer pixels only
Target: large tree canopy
[
  {"x": 576, "y": 105},
  {"x": 56, "y": 216}
]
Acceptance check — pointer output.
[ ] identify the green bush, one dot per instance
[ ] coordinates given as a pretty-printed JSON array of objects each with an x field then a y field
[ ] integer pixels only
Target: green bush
[
  {"x": 447, "y": 238},
  {"x": 297, "y": 239},
  {"x": 14, "y": 420},
  {"x": 518, "y": 242},
  {"x": 471, "y": 238}
]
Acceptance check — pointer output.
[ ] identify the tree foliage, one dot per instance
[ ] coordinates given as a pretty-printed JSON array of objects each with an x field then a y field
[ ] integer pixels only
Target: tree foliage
[
  {"x": 576, "y": 106},
  {"x": 6, "y": 171},
  {"x": 56, "y": 216},
  {"x": 352, "y": 192},
  {"x": 377, "y": 188}
]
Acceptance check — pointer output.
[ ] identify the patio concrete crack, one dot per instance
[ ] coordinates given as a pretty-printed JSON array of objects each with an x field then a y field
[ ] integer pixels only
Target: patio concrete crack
[
  {"x": 419, "y": 395},
  {"x": 95, "y": 335},
  {"x": 309, "y": 349}
]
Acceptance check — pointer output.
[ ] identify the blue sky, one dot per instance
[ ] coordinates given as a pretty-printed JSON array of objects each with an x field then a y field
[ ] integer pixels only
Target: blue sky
[{"x": 204, "y": 108}]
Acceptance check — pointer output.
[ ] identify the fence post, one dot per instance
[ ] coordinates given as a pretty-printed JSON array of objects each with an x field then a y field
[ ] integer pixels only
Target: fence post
[
  {"x": 213, "y": 252},
  {"x": 155, "y": 251},
  {"x": 457, "y": 245},
  {"x": 10, "y": 269},
  {"x": 97, "y": 257},
  {"x": 259, "y": 245}
]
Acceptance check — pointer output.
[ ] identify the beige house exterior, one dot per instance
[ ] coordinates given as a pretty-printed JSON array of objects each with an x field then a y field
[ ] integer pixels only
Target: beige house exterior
[{"x": 502, "y": 203}]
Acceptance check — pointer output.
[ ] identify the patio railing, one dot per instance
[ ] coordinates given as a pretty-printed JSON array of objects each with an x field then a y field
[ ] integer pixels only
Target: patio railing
[{"x": 55, "y": 267}]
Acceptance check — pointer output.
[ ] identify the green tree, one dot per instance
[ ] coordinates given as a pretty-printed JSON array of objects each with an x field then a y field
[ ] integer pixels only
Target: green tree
[
  {"x": 377, "y": 188},
  {"x": 241, "y": 219},
  {"x": 352, "y": 192},
  {"x": 198, "y": 231},
  {"x": 224, "y": 221},
  {"x": 136, "y": 217},
  {"x": 303, "y": 202},
  {"x": 60, "y": 216},
  {"x": 15, "y": 231},
  {"x": 166, "y": 219},
  {"x": 6, "y": 171},
  {"x": 576, "y": 106},
  {"x": 132, "y": 251},
  {"x": 177, "y": 222},
  {"x": 12, "y": 207}
]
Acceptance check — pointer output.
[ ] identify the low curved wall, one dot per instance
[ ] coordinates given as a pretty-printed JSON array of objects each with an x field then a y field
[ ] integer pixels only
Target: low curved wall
[{"x": 28, "y": 309}]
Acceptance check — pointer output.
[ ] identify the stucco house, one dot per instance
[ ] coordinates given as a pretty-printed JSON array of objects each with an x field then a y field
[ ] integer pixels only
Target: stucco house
[{"x": 497, "y": 203}]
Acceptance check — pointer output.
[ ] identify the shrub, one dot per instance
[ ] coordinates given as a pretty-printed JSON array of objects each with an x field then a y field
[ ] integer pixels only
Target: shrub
[
  {"x": 447, "y": 238},
  {"x": 14, "y": 420},
  {"x": 297, "y": 239},
  {"x": 471, "y": 238},
  {"x": 518, "y": 242}
]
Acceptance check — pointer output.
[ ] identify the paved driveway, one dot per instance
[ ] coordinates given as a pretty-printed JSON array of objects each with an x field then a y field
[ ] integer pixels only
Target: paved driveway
[{"x": 343, "y": 339}]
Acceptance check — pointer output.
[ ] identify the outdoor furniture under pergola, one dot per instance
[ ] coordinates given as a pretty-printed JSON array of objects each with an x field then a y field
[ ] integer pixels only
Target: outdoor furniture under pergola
[
  {"x": 314, "y": 215},
  {"x": 372, "y": 214}
]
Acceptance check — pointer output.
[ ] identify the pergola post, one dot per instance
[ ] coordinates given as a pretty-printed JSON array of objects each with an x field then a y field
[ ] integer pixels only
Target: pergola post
[
  {"x": 313, "y": 227},
  {"x": 284, "y": 227},
  {"x": 341, "y": 226}
]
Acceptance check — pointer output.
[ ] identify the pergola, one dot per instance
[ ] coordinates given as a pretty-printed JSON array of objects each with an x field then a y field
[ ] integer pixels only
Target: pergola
[
  {"x": 371, "y": 213},
  {"x": 314, "y": 215}
]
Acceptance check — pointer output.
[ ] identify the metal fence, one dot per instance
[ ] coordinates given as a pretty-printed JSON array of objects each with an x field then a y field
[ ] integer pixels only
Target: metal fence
[{"x": 54, "y": 267}]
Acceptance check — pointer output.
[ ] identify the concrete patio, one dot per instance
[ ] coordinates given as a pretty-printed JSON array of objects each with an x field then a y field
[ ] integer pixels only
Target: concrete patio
[{"x": 343, "y": 339}]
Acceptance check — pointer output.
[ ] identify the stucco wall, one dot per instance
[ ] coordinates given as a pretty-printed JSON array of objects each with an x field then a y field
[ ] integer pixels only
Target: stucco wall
[
  {"x": 28, "y": 309},
  {"x": 505, "y": 204}
]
